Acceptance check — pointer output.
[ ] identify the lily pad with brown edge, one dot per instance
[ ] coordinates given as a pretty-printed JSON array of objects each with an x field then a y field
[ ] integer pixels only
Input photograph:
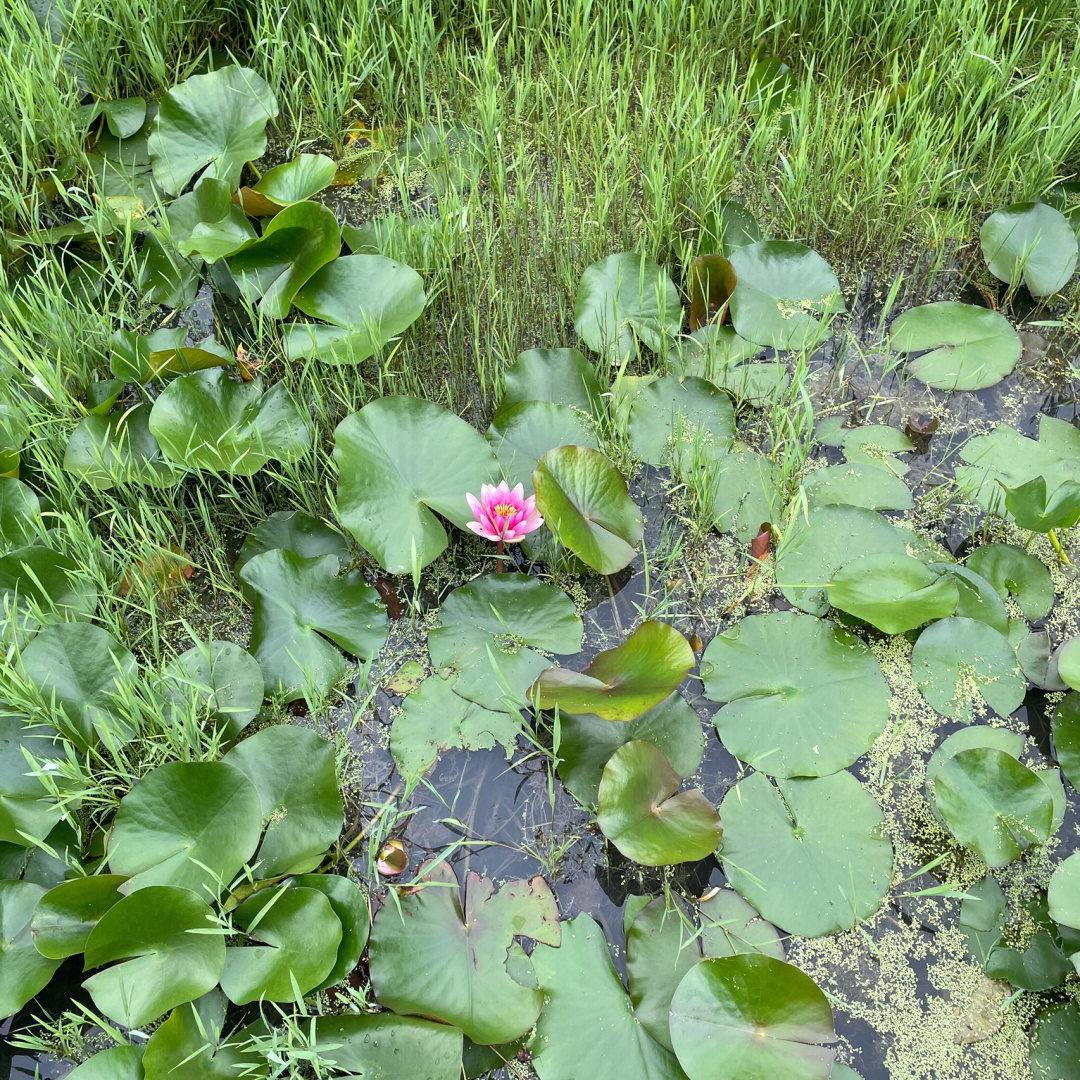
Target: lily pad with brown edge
[
  {"x": 522, "y": 435},
  {"x": 1065, "y": 728},
  {"x": 1030, "y": 243},
  {"x": 712, "y": 281},
  {"x": 433, "y": 955},
  {"x": 558, "y": 376},
  {"x": 753, "y": 1017},
  {"x": 291, "y": 182},
  {"x": 670, "y": 414},
  {"x": 643, "y": 812},
  {"x": 624, "y": 682},
  {"x": 893, "y": 593},
  {"x": 1016, "y": 573},
  {"x": 730, "y": 926},
  {"x": 803, "y": 696},
  {"x": 389, "y": 488},
  {"x": 382, "y": 1045},
  {"x": 811, "y": 855}
]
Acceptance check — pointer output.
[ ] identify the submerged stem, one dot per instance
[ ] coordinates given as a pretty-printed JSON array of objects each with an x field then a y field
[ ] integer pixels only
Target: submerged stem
[{"x": 1062, "y": 557}]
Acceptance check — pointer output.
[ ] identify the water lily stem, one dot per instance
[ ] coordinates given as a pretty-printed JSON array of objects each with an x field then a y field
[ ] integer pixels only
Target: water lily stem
[
  {"x": 498, "y": 556},
  {"x": 1062, "y": 557}
]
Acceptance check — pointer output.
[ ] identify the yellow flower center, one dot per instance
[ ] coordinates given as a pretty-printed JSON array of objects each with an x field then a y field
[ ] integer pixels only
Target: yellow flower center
[{"x": 504, "y": 510}]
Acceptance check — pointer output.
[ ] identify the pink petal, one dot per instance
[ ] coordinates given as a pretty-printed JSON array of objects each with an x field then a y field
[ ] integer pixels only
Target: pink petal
[
  {"x": 487, "y": 495},
  {"x": 474, "y": 503},
  {"x": 519, "y": 495}
]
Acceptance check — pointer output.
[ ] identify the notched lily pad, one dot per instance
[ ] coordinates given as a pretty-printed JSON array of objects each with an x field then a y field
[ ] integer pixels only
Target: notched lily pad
[{"x": 1031, "y": 243}]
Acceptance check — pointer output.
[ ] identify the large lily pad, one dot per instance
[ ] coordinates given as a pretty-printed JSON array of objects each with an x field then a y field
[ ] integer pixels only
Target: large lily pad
[
  {"x": 301, "y": 606},
  {"x": 670, "y": 413},
  {"x": 39, "y": 586},
  {"x": 894, "y": 593},
  {"x": 23, "y": 970},
  {"x": 804, "y": 697},
  {"x": 522, "y": 435},
  {"x": 1055, "y": 1048},
  {"x": 187, "y": 824},
  {"x": 491, "y": 629},
  {"x": 959, "y": 664},
  {"x": 1014, "y": 572},
  {"x": 368, "y": 299},
  {"x": 208, "y": 421},
  {"x": 622, "y": 299},
  {"x": 624, "y": 682},
  {"x": 163, "y": 962},
  {"x": 738, "y": 489},
  {"x": 559, "y": 376},
  {"x": 730, "y": 926},
  {"x": 584, "y": 502},
  {"x": 301, "y": 809},
  {"x": 811, "y": 855},
  {"x": 753, "y": 1017},
  {"x": 207, "y": 222},
  {"x": 380, "y": 1046},
  {"x": 1063, "y": 904},
  {"x": 118, "y": 449},
  {"x": 349, "y": 904},
  {"x": 960, "y": 346},
  {"x": 28, "y": 807},
  {"x": 216, "y": 120},
  {"x": 142, "y": 357},
  {"x": 1066, "y": 730},
  {"x": 67, "y": 913},
  {"x": 219, "y": 678},
  {"x": 645, "y": 815},
  {"x": 857, "y": 483},
  {"x": 1031, "y": 243},
  {"x": 783, "y": 290},
  {"x": 390, "y": 488},
  {"x": 430, "y": 956}
]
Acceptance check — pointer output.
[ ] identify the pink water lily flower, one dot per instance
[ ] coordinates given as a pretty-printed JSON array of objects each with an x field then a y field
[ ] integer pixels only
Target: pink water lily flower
[{"x": 502, "y": 515}]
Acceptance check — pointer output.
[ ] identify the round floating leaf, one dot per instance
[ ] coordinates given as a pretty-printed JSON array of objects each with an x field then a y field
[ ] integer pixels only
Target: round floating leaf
[
  {"x": 79, "y": 668},
  {"x": 295, "y": 531},
  {"x": 189, "y": 824},
  {"x": 300, "y": 935},
  {"x": 624, "y": 298},
  {"x": 1063, "y": 895},
  {"x": 894, "y": 593},
  {"x": 857, "y": 483},
  {"x": 992, "y": 803},
  {"x": 222, "y": 680},
  {"x": 301, "y": 808},
  {"x": 208, "y": 421},
  {"x": 587, "y": 743},
  {"x": 960, "y": 663},
  {"x": 960, "y": 346},
  {"x": 624, "y": 682},
  {"x": 125, "y": 117},
  {"x": 390, "y": 488},
  {"x": 142, "y": 357},
  {"x": 976, "y": 597},
  {"x": 1013, "y": 572},
  {"x": 645, "y": 815},
  {"x": 753, "y": 1017},
  {"x": 717, "y": 353},
  {"x": 67, "y": 913},
  {"x": 1055, "y": 1046},
  {"x": 207, "y": 222},
  {"x": 28, "y": 807},
  {"x": 291, "y": 182},
  {"x": 20, "y": 514},
  {"x": 1038, "y": 661},
  {"x": 670, "y": 413},
  {"x": 351, "y": 907},
  {"x": 875, "y": 444},
  {"x": 1030, "y": 243},
  {"x": 727, "y": 226},
  {"x": 588, "y": 1027},
  {"x": 811, "y": 855},
  {"x": 165, "y": 961},
  {"x": 430, "y": 956},
  {"x": 368, "y": 299},
  {"x": 382, "y": 1045},
  {"x": 804, "y": 697},
  {"x": 560, "y": 376},
  {"x": 299, "y": 604},
  {"x": 217, "y": 120},
  {"x": 1032, "y": 507},
  {"x": 781, "y": 287},
  {"x": 1067, "y": 658},
  {"x": 730, "y": 927},
  {"x": 522, "y": 435},
  {"x": 738, "y": 488},
  {"x": 23, "y": 970},
  {"x": 1066, "y": 731},
  {"x": 38, "y": 586},
  {"x": 116, "y": 1063},
  {"x": 584, "y": 502},
  {"x": 118, "y": 449},
  {"x": 815, "y": 547}
]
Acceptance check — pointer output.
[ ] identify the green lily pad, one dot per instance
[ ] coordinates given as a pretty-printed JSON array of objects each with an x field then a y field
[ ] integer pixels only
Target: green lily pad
[
  {"x": 782, "y": 675},
  {"x": 730, "y": 927},
  {"x": 208, "y": 222},
  {"x": 857, "y": 483},
  {"x": 729, "y": 225},
  {"x": 124, "y": 116},
  {"x": 20, "y": 515},
  {"x": 29, "y": 809},
  {"x": 39, "y": 586},
  {"x": 208, "y": 421},
  {"x": 1055, "y": 1046},
  {"x": 1067, "y": 659},
  {"x": 976, "y": 598},
  {"x": 874, "y": 444},
  {"x": 116, "y": 1063},
  {"x": 560, "y": 376},
  {"x": 815, "y": 547},
  {"x": 291, "y": 182},
  {"x": 434, "y": 718},
  {"x": 23, "y": 970},
  {"x": 301, "y": 606},
  {"x": 1033, "y": 508},
  {"x": 1038, "y": 661},
  {"x": 960, "y": 346},
  {"x": 959, "y": 664},
  {"x": 165, "y": 277},
  {"x": 716, "y": 353},
  {"x": 368, "y": 299},
  {"x": 350, "y": 905},
  {"x": 143, "y": 357},
  {"x": 522, "y": 435},
  {"x": 1066, "y": 731},
  {"x": 189, "y": 825},
  {"x": 992, "y": 803},
  {"x": 1013, "y": 572},
  {"x": 67, "y": 913},
  {"x": 644, "y": 814},
  {"x": 783, "y": 290},
  {"x": 216, "y": 120},
  {"x": 588, "y": 1027},
  {"x": 118, "y": 449},
  {"x": 753, "y": 1017},
  {"x": 301, "y": 809},
  {"x": 584, "y": 502},
  {"x": 587, "y": 742},
  {"x": 894, "y": 593},
  {"x": 624, "y": 682},
  {"x": 163, "y": 963},
  {"x": 295, "y": 531},
  {"x": 382, "y": 1046},
  {"x": 389, "y": 488},
  {"x": 622, "y": 299},
  {"x": 431, "y": 956},
  {"x": 78, "y": 667},
  {"x": 1030, "y": 243},
  {"x": 299, "y": 935},
  {"x": 221, "y": 680},
  {"x": 739, "y": 490},
  {"x": 1063, "y": 901},
  {"x": 670, "y": 413},
  {"x": 811, "y": 855}
]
